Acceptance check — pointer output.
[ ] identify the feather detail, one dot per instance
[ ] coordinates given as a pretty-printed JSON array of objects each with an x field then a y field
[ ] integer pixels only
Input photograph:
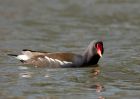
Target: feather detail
[{"x": 23, "y": 57}]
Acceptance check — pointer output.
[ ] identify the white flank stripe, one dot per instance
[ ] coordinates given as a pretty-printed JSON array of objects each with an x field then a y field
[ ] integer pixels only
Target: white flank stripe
[
  {"x": 40, "y": 59},
  {"x": 48, "y": 58},
  {"x": 22, "y": 57},
  {"x": 52, "y": 59},
  {"x": 61, "y": 63},
  {"x": 67, "y": 62},
  {"x": 56, "y": 60}
]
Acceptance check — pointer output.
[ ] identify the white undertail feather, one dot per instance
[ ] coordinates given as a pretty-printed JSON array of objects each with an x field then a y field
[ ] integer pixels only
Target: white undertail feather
[{"x": 23, "y": 57}]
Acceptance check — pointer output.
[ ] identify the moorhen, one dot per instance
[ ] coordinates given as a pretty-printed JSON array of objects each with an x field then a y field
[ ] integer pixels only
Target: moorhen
[{"x": 89, "y": 57}]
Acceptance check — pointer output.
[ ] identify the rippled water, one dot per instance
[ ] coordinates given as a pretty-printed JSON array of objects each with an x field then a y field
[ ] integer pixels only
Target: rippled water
[{"x": 69, "y": 25}]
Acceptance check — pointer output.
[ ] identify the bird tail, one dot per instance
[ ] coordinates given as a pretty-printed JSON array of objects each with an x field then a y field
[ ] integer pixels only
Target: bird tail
[{"x": 12, "y": 55}]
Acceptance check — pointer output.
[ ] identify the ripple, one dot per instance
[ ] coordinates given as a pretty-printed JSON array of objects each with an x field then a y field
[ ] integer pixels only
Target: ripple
[{"x": 26, "y": 74}]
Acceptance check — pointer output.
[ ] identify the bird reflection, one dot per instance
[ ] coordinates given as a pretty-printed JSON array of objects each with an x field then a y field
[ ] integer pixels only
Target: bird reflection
[
  {"x": 94, "y": 73},
  {"x": 98, "y": 87}
]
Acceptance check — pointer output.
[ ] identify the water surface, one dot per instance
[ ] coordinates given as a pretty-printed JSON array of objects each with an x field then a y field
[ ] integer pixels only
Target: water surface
[{"x": 69, "y": 25}]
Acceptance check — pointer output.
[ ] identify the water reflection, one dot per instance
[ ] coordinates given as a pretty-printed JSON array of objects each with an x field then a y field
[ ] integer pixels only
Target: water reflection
[
  {"x": 95, "y": 71},
  {"x": 26, "y": 74},
  {"x": 61, "y": 81}
]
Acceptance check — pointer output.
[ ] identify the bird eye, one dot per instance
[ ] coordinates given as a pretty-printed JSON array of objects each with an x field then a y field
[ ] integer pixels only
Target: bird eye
[{"x": 99, "y": 46}]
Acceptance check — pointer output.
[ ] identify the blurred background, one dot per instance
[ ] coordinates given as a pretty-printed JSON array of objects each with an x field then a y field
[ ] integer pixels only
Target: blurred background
[{"x": 69, "y": 25}]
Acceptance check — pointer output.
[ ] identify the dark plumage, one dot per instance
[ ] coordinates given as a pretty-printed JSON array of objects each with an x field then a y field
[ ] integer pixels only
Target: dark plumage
[{"x": 90, "y": 56}]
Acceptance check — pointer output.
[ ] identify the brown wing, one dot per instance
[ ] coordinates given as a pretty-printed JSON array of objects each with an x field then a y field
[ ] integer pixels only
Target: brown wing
[
  {"x": 55, "y": 60},
  {"x": 32, "y": 53}
]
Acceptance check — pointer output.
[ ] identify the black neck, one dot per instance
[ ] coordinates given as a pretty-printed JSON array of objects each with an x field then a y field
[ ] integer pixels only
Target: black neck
[{"x": 94, "y": 60}]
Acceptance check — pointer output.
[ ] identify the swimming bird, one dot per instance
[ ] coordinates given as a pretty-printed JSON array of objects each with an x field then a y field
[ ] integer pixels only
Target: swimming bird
[{"x": 90, "y": 56}]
